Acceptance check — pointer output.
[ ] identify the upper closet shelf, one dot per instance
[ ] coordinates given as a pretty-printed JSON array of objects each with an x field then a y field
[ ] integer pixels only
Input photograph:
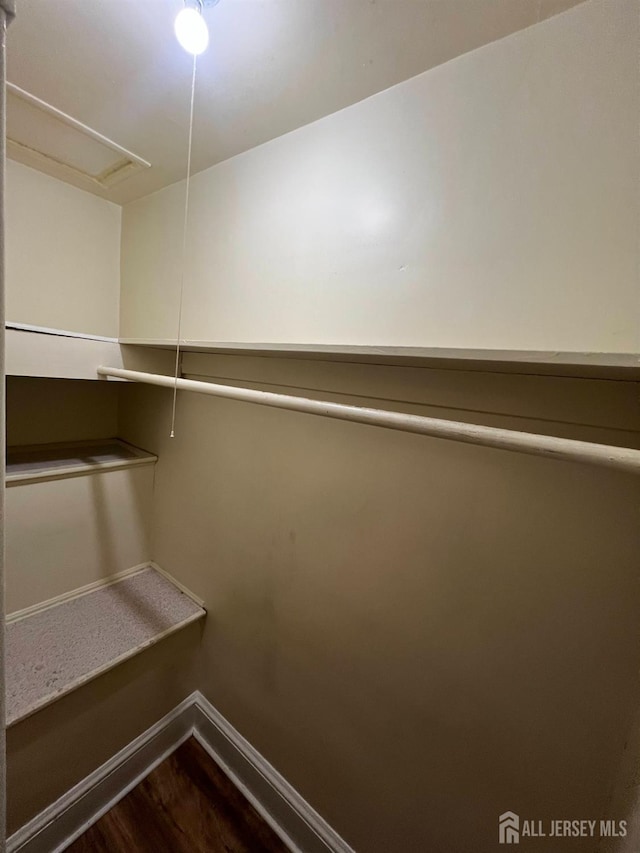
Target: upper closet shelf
[
  {"x": 54, "y": 353},
  {"x": 60, "y": 354},
  {"x": 36, "y": 351},
  {"x": 592, "y": 364},
  {"x": 41, "y": 462}
]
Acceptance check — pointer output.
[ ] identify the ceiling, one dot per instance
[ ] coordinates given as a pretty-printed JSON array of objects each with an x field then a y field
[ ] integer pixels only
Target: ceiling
[{"x": 272, "y": 66}]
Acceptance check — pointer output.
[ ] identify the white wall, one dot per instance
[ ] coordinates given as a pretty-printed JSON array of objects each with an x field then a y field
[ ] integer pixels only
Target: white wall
[
  {"x": 63, "y": 255},
  {"x": 490, "y": 202}
]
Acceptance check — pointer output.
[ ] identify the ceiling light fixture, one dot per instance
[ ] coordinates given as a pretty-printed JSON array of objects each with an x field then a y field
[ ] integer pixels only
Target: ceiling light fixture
[{"x": 191, "y": 28}]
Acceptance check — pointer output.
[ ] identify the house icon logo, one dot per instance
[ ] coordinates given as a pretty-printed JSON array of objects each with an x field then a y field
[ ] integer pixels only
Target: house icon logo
[{"x": 509, "y": 828}]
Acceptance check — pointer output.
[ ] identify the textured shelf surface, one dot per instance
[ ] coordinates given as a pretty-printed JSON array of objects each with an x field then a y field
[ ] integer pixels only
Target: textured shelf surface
[
  {"x": 53, "y": 461},
  {"x": 58, "y": 649}
]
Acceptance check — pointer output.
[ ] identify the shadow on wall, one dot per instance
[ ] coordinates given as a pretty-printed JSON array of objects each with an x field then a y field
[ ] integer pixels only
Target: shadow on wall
[{"x": 108, "y": 517}]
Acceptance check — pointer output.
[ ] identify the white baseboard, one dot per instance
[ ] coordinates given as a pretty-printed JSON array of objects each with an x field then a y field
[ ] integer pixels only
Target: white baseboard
[
  {"x": 62, "y": 822},
  {"x": 301, "y": 828},
  {"x": 291, "y": 816}
]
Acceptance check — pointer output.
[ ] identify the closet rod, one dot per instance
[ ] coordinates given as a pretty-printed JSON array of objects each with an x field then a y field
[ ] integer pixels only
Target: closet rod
[{"x": 622, "y": 458}]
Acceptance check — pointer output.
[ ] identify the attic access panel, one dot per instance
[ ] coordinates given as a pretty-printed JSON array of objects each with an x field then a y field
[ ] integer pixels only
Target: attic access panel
[{"x": 41, "y": 136}]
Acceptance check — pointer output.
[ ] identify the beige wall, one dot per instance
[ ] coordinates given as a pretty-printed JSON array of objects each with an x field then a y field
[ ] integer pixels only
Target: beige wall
[
  {"x": 64, "y": 534},
  {"x": 63, "y": 255},
  {"x": 46, "y": 410},
  {"x": 490, "y": 202},
  {"x": 418, "y": 634},
  {"x": 86, "y": 528}
]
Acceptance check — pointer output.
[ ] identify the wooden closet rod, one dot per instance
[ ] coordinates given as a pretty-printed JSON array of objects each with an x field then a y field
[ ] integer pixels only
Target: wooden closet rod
[{"x": 552, "y": 447}]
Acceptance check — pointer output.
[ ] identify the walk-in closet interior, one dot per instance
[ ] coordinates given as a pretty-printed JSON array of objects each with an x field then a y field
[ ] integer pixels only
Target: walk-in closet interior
[{"x": 322, "y": 351}]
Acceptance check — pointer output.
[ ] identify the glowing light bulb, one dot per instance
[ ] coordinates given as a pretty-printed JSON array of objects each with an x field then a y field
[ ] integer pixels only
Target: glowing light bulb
[{"x": 191, "y": 31}]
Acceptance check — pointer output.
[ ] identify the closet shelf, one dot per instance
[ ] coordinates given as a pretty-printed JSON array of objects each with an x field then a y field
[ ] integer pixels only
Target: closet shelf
[
  {"x": 55, "y": 353},
  {"x": 58, "y": 649},
  {"x": 39, "y": 462},
  {"x": 556, "y": 363}
]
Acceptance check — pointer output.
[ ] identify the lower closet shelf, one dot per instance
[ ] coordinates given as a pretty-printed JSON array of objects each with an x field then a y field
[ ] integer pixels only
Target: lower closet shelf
[{"x": 58, "y": 649}]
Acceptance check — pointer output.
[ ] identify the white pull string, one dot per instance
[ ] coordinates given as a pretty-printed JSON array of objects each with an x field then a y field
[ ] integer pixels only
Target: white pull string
[{"x": 184, "y": 249}]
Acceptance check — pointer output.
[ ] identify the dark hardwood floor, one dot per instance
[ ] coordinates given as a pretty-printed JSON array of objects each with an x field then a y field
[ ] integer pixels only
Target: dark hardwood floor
[{"x": 185, "y": 805}]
